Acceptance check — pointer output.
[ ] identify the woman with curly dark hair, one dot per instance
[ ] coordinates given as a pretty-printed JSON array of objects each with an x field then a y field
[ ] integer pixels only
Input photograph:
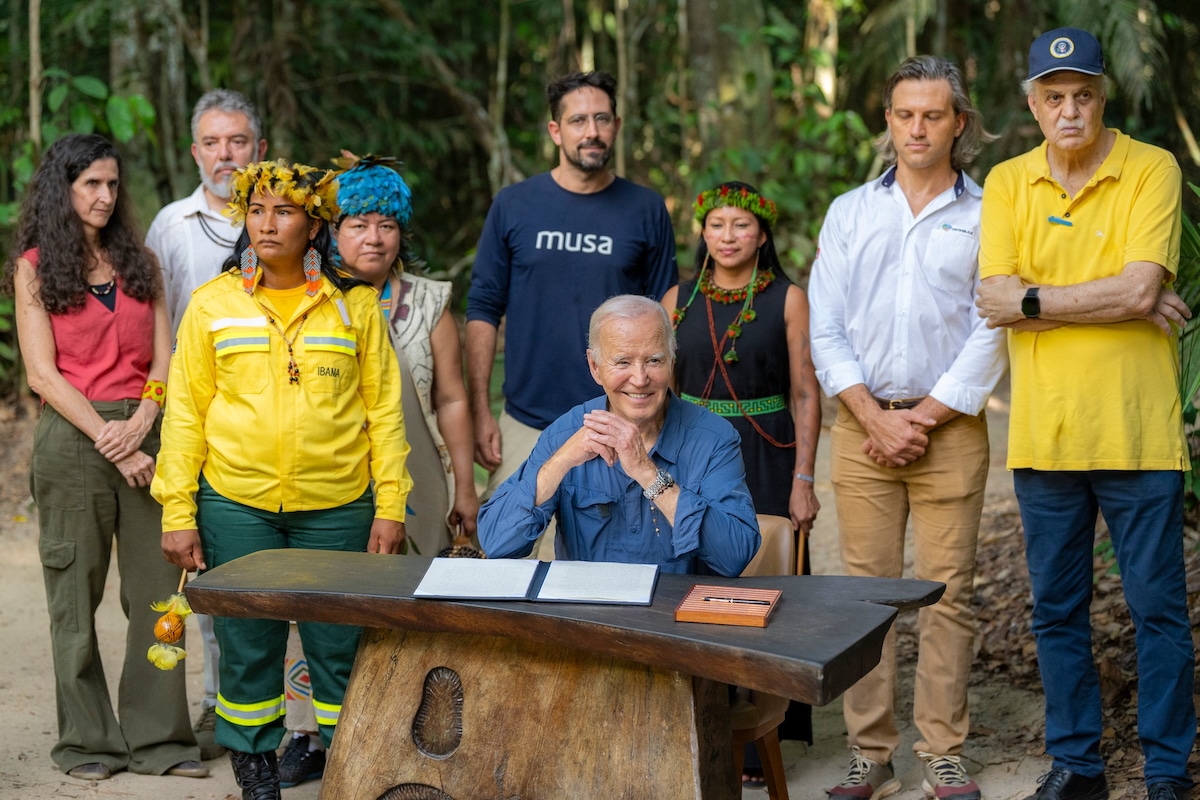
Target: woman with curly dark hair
[{"x": 92, "y": 327}]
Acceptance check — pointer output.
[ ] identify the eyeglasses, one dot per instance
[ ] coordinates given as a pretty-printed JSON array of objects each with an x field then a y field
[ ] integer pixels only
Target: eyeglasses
[{"x": 603, "y": 120}]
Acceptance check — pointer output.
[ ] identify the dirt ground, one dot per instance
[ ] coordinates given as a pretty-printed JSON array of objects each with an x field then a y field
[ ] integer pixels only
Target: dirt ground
[{"x": 1004, "y": 751}]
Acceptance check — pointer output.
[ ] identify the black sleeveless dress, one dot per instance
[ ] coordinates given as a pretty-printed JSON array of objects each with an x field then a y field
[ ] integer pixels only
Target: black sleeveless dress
[{"x": 760, "y": 373}]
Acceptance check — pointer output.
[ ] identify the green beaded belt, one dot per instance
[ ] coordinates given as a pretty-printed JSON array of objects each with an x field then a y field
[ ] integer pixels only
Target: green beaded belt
[{"x": 736, "y": 408}]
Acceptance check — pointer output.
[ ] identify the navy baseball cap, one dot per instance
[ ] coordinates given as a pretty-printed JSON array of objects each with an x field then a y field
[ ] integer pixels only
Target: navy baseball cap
[{"x": 1065, "y": 49}]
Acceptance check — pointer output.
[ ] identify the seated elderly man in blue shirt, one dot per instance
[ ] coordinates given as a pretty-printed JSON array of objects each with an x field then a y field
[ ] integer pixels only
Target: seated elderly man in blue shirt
[{"x": 635, "y": 476}]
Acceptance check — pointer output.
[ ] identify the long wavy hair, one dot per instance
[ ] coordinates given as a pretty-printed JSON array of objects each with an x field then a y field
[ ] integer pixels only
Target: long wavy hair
[
  {"x": 932, "y": 68},
  {"x": 767, "y": 256},
  {"x": 48, "y": 222},
  {"x": 322, "y": 243}
]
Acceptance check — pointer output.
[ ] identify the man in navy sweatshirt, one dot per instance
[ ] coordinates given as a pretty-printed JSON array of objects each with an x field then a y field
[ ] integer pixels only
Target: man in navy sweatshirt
[{"x": 553, "y": 248}]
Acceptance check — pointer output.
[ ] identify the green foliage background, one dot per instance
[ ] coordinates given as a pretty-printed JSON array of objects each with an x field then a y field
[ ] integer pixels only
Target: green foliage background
[{"x": 455, "y": 89}]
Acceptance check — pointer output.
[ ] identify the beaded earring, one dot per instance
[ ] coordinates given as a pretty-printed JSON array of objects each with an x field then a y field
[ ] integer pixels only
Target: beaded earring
[
  {"x": 249, "y": 267},
  {"x": 312, "y": 271}
]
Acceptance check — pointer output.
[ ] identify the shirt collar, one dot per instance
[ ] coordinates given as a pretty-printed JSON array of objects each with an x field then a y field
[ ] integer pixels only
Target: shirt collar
[
  {"x": 199, "y": 205},
  {"x": 960, "y": 182},
  {"x": 1037, "y": 167}
]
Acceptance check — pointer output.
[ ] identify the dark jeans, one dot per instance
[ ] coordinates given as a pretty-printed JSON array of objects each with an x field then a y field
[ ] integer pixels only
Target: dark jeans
[{"x": 1144, "y": 512}]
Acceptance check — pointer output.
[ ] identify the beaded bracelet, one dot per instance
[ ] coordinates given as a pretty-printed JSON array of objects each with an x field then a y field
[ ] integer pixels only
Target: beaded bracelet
[
  {"x": 156, "y": 391},
  {"x": 800, "y": 476}
]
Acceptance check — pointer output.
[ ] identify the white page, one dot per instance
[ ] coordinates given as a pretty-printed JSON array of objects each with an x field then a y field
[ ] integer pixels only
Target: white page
[
  {"x": 477, "y": 578},
  {"x": 599, "y": 582}
]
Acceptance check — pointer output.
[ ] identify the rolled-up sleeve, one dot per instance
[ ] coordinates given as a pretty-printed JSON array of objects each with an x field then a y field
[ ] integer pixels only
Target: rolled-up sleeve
[
  {"x": 714, "y": 516},
  {"x": 510, "y": 521}
]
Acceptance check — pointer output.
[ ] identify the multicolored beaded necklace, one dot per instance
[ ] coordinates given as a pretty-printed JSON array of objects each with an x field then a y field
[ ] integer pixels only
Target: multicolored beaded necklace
[
  {"x": 758, "y": 282},
  {"x": 744, "y": 294}
]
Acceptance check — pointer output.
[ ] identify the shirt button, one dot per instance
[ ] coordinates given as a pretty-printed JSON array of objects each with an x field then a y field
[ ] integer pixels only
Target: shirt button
[
  {"x": 1063, "y": 196},
  {"x": 633, "y": 529},
  {"x": 1066, "y": 215}
]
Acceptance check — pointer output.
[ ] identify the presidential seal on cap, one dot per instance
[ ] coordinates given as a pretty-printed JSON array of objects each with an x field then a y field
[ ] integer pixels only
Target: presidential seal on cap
[{"x": 1068, "y": 49}]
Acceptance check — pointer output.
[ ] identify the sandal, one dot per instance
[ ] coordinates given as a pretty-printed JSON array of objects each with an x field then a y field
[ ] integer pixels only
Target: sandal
[{"x": 753, "y": 778}]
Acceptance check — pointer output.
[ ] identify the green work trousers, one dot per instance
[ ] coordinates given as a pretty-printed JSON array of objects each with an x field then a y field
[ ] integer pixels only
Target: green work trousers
[
  {"x": 250, "y": 703},
  {"x": 83, "y": 506}
]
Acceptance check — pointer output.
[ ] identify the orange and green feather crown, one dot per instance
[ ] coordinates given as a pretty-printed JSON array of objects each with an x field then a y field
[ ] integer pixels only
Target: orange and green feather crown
[{"x": 314, "y": 190}]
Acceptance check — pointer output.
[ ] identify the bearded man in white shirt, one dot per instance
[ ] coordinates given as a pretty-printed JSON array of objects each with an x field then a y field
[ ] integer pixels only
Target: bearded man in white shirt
[{"x": 895, "y": 338}]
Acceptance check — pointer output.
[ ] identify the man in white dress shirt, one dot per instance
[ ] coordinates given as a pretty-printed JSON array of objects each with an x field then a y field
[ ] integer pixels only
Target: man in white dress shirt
[
  {"x": 192, "y": 239},
  {"x": 896, "y": 339}
]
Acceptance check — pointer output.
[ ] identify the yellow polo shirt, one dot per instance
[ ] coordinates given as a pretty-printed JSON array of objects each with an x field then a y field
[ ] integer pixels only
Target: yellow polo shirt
[
  {"x": 234, "y": 414},
  {"x": 1089, "y": 396}
]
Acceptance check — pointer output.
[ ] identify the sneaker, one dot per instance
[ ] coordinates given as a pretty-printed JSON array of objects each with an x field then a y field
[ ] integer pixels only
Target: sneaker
[
  {"x": 1166, "y": 790},
  {"x": 945, "y": 778},
  {"x": 299, "y": 764},
  {"x": 1062, "y": 784},
  {"x": 867, "y": 780},
  {"x": 206, "y": 731}
]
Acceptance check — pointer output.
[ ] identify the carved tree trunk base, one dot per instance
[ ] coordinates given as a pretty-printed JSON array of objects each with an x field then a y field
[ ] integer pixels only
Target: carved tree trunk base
[{"x": 438, "y": 716}]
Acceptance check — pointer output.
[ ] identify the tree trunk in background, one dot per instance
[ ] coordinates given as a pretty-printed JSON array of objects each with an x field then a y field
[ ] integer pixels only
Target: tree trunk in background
[
  {"x": 282, "y": 107},
  {"x": 123, "y": 48},
  {"x": 171, "y": 100},
  {"x": 623, "y": 82},
  {"x": 821, "y": 49},
  {"x": 567, "y": 51},
  {"x": 731, "y": 73},
  {"x": 500, "y": 158},
  {"x": 689, "y": 144},
  {"x": 35, "y": 74}
]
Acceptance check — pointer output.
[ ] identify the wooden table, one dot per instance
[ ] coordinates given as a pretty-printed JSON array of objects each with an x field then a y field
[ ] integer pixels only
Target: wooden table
[{"x": 455, "y": 700}]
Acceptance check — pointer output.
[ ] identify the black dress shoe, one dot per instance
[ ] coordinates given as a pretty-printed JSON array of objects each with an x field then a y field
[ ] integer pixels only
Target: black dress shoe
[
  {"x": 1168, "y": 791},
  {"x": 1062, "y": 784}
]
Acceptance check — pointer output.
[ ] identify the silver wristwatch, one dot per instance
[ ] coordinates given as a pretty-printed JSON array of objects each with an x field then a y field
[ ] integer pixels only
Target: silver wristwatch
[{"x": 662, "y": 482}]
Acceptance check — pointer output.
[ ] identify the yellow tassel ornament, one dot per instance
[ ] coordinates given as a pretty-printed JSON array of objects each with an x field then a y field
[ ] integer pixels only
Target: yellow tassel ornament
[{"x": 168, "y": 629}]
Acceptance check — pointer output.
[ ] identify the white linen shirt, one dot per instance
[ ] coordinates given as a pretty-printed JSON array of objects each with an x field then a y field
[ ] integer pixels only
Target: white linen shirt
[
  {"x": 892, "y": 298},
  {"x": 187, "y": 254}
]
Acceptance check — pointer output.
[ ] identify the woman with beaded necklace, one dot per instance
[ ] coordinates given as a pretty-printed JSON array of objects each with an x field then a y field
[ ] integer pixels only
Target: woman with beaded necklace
[
  {"x": 285, "y": 431},
  {"x": 743, "y": 352}
]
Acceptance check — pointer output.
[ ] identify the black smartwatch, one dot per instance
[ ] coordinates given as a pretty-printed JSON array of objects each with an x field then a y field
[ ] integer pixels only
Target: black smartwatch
[{"x": 1031, "y": 306}]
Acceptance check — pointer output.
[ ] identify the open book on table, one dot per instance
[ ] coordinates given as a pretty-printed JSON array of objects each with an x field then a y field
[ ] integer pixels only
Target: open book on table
[{"x": 544, "y": 581}]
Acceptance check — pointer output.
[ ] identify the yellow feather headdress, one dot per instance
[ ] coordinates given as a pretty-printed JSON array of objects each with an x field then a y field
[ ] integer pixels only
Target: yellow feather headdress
[{"x": 314, "y": 190}]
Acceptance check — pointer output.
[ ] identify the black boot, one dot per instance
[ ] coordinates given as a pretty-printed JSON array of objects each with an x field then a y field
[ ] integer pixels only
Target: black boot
[{"x": 257, "y": 774}]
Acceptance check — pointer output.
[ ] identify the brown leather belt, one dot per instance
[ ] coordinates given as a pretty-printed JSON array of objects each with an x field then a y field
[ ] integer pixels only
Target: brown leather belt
[{"x": 893, "y": 405}]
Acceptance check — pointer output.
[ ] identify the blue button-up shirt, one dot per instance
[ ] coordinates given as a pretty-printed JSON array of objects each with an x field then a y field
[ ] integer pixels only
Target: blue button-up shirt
[{"x": 602, "y": 515}]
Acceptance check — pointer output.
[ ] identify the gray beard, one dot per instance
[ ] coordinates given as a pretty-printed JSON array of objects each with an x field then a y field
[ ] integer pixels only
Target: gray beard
[{"x": 218, "y": 188}]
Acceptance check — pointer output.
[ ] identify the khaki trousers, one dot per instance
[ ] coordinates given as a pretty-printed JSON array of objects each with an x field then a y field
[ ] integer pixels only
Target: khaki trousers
[
  {"x": 943, "y": 490},
  {"x": 516, "y": 443}
]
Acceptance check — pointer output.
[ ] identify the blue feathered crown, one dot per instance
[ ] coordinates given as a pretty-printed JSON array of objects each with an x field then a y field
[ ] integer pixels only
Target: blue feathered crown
[{"x": 373, "y": 184}]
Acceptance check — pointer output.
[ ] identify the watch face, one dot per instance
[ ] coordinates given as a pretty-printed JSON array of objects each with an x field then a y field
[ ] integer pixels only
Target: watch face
[{"x": 1031, "y": 305}]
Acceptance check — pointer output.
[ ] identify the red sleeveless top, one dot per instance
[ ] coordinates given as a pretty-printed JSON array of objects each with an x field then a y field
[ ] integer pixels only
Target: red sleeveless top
[{"x": 104, "y": 354}]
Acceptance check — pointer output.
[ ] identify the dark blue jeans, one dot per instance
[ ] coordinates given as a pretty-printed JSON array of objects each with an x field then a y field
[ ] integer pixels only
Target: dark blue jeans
[{"x": 1144, "y": 512}]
